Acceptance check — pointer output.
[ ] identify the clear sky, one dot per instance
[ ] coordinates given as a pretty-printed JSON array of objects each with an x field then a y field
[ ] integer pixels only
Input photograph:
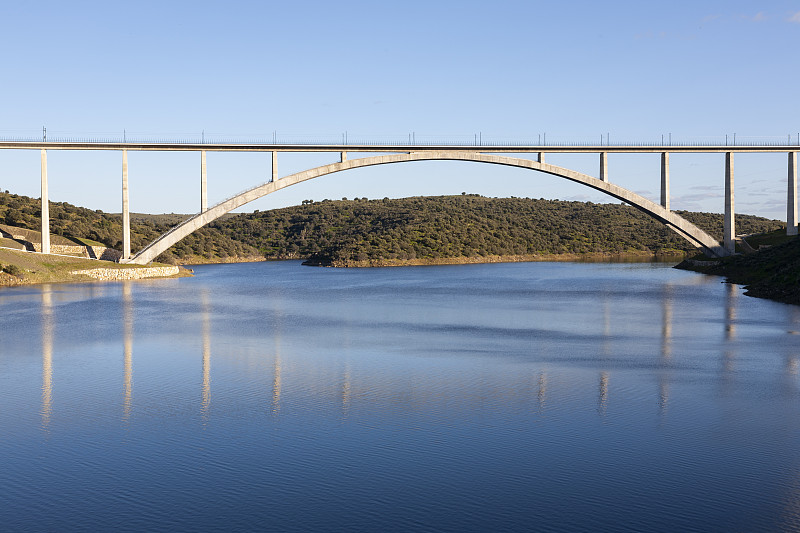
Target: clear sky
[{"x": 448, "y": 70}]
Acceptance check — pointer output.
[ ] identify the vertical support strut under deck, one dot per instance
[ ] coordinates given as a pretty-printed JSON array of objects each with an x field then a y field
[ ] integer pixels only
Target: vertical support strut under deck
[
  {"x": 126, "y": 214},
  {"x": 665, "y": 180},
  {"x": 203, "y": 183},
  {"x": 729, "y": 224},
  {"x": 45, "y": 207},
  {"x": 604, "y": 166},
  {"x": 791, "y": 204}
]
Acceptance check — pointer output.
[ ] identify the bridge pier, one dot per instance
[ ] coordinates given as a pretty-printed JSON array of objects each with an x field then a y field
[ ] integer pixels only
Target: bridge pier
[
  {"x": 665, "y": 180},
  {"x": 729, "y": 225},
  {"x": 791, "y": 205},
  {"x": 126, "y": 214},
  {"x": 203, "y": 182},
  {"x": 604, "y": 166},
  {"x": 274, "y": 166},
  {"x": 45, "y": 207}
]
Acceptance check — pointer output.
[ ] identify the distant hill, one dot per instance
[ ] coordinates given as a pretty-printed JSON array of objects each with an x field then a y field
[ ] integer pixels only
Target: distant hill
[
  {"x": 390, "y": 231},
  {"x": 364, "y": 232}
]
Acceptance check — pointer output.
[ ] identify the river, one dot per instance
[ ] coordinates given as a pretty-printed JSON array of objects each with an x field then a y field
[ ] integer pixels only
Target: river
[{"x": 502, "y": 397}]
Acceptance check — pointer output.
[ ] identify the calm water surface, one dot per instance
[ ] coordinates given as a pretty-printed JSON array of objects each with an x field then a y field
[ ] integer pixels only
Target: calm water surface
[{"x": 506, "y": 397}]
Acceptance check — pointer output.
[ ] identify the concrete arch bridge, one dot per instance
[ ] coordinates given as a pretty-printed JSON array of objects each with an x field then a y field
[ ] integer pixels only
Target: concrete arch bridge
[
  {"x": 382, "y": 154},
  {"x": 683, "y": 227}
]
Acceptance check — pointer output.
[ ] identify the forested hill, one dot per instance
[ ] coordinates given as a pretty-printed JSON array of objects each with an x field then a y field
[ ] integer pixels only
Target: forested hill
[{"x": 390, "y": 231}]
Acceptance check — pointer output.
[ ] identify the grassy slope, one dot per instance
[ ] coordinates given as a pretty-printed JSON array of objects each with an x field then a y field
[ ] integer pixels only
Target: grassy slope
[{"x": 38, "y": 268}]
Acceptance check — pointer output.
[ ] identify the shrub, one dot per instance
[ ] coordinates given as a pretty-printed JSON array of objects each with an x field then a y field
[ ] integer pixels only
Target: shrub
[{"x": 14, "y": 270}]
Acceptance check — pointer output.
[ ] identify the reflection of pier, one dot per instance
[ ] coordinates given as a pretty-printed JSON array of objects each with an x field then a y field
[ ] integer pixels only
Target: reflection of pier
[
  {"x": 731, "y": 293},
  {"x": 206, "y": 387},
  {"x": 47, "y": 356},
  {"x": 542, "y": 392},
  {"x": 729, "y": 359},
  {"x": 127, "y": 334},
  {"x": 276, "y": 381},
  {"x": 666, "y": 349},
  {"x": 602, "y": 400}
]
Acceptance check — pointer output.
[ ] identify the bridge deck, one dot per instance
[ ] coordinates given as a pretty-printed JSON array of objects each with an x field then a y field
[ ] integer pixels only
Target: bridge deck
[{"x": 391, "y": 148}]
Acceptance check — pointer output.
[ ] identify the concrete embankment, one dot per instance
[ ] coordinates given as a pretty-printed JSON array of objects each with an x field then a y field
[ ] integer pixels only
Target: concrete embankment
[{"x": 117, "y": 274}]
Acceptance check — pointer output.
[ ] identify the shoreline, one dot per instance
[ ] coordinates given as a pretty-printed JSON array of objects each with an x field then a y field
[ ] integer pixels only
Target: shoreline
[
  {"x": 772, "y": 273},
  {"x": 594, "y": 257}
]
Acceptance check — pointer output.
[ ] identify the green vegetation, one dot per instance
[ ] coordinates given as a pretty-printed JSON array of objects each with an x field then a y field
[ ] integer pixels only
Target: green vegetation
[
  {"x": 390, "y": 231},
  {"x": 362, "y": 232},
  {"x": 77, "y": 225},
  {"x": 772, "y": 272},
  {"x": 14, "y": 270}
]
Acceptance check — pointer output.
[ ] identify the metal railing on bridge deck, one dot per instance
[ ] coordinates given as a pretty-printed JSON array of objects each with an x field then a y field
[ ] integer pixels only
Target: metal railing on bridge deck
[{"x": 410, "y": 139}]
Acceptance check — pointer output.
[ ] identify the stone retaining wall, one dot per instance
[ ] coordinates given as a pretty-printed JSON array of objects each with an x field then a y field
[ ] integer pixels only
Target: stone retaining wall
[
  {"x": 120, "y": 274},
  {"x": 62, "y": 249},
  {"x": 106, "y": 254},
  {"x": 93, "y": 252}
]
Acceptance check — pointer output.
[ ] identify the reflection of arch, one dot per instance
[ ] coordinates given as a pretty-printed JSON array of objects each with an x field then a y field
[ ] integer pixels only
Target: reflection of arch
[{"x": 665, "y": 216}]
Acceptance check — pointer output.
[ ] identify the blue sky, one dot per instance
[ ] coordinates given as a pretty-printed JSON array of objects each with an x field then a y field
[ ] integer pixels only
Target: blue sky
[{"x": 506, "y": 69}]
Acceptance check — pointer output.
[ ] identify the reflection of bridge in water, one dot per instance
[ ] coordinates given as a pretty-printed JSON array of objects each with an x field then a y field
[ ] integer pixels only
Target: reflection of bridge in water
[
  {"x": 383, "y": 154},
  {"x": 351, "y": 391}
]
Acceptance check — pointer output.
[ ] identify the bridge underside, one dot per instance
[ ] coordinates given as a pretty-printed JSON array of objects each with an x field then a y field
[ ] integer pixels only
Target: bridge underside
[{"x": 683, "y": 227}]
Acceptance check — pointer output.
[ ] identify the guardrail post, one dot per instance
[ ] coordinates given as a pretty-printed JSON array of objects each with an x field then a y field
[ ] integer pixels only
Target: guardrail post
[
  {"x": 665, "y": 180},
  {"x": 729, "y": 224},
  {"x": 45, "y": 207},
  {"x": 126, "y": 214},
  {"x": 791, "y": 204}
]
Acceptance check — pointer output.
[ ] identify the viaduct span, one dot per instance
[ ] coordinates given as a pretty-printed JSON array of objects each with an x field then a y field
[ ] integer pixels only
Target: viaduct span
[{"x": 382, "y": 154}]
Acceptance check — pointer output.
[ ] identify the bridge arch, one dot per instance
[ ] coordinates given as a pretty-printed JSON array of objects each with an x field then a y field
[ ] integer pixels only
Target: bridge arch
[{"x": 682, "y": 226}]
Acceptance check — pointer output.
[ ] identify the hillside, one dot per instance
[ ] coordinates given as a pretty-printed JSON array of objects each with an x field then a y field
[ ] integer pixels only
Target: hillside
[
  {"x": 772, "y": 272},
  {"x": 71, "y": 223},
  {"x": 364, "y": 232}
]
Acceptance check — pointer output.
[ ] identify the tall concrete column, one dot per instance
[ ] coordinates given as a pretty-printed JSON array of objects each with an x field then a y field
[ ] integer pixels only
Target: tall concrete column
[
  {"x": 126, "y": 214},
  {"x": 274, "y": 166},
  {"x": 791, "y": 204},
  {"x": 203, "y": 183},
  {"x": 729, "y": 225},
  {"x": 45, "y": 207},
  {"x": 604, "y": 166},
  {"x": 665, "y": 180}
]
